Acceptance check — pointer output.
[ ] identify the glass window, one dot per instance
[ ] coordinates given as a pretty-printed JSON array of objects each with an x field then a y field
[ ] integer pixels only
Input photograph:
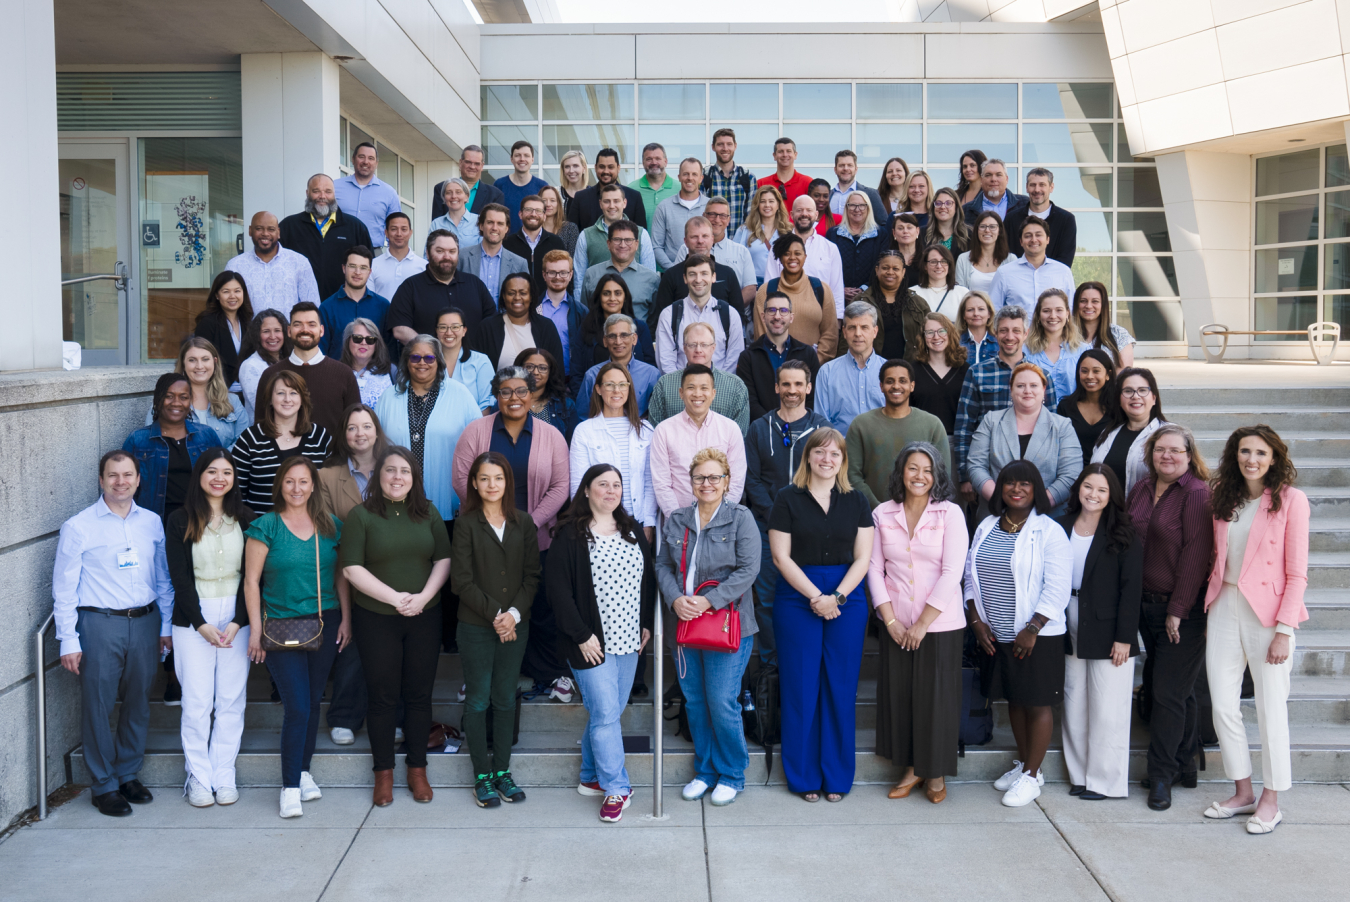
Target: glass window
[
  {"x": 1287, "y": 172},
  {"x": 680, "y": 141},
  {"x": 744, "y": 101},
  {"x": 1080, "y": 142},
  {"x": 1139, "y": 187},
  {"x": 1297, "y": 312},
  {"x": 946, "y": 143},
  {"x": 1066, "y": 101},
  {"x": 1338, "y": 311},
  {"x": 1288, "y": 219},
  {"x": 817, "y": 101},
  {"x": 342, "y": 138},
  {"x": 1091, "y": 269},
  {"x": 1146, "y": 277},
  {"x": 405, "y": 179},
  {"x": 1143, "y": 232},
  {"x": 1338, "y": 166},
  {"x": 510, "y": 102},
  {"x": 1338, "y": 266},
  {"x": 584, "y": 102},
  {"x": 950, "y": 178},
  {"x": 356, "y": 137},
  {"x": 497, "y": 141},
  {"x": 1152, "y": 320},
  {"x": 1094, "y": 236},
  {"x": 1286, "y": 269},
  {"x": 818, "y": 142},
  {"x": 91, "y": 311},
  {"x": 670, "y": 101},
  {"x": 754, "y": 145},
  {"x": 387, "y": 165},
  {"x": 890, "y": 101},
  {"x": 1075, "y": 189},
  {"x": 1337, "y": 214},
  {"x": 589, "y": 139},
  {"x": 878, "y": 142},
  {"x": 972, "y": 101}
]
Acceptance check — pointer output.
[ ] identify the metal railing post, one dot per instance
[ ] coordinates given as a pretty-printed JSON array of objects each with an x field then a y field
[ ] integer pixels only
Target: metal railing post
[
  {"x": 41, "y": 683},
  {"x": 658, "y": 696}
]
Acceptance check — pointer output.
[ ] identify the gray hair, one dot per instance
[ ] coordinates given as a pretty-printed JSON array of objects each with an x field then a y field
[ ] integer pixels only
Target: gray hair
[
  {"x": 474, "y": 148},
  {"x": 942, "y": 489},
  {"x": 861, "y": 308},
  {"x": 717, "y": 199},
  {"x": 455, "y": 181},
  {"x": 993, "y": 161},
  {"x": 1009, "y": 311},
  {"x": 1042, "y": 171},
  {"x": 507, "y": 373},
  {"x": 403, "y": 378},
  {"x": 653, "y": 146},
  {"x": 615, "y": 318}
]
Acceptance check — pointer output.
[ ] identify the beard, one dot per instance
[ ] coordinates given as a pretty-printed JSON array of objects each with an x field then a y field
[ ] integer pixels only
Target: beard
[
  {"x": 318, "y": 208},
  {"x": 444, "y": 269}
]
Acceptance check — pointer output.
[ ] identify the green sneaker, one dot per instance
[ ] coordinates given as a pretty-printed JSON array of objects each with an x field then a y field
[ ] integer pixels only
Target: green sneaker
[
  {"x": 507, "y": 787},
  {"x": 484, "y": 795}
]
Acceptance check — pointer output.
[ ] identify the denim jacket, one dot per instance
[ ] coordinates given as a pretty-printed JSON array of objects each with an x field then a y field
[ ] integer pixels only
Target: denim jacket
[
  {"x": 152, "y": 453},
  {"x": 728, "y": 552}
]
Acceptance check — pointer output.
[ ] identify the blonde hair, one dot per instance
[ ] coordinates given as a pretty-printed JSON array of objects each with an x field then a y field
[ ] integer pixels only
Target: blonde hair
[
  {"x": 1197, "y": 461},
  {"x": 217, "y": 392},
  {"x": 870, "y": 222},
  {"x": 587, "y": 179},
  {"x": 1036, "y": 336},
  {"x": 824, "y": 435},
  {"x": 555, "y": 224},
  {"x": 710, "y": 455},
  {"x": 961, "y": 310},
  {"x": 927, "y": 201},
  {"x": 754, "y": 223}
]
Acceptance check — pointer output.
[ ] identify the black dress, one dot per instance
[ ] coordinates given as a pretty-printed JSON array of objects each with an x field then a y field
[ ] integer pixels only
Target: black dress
[
  {"x": 1120, "y": 452},
  {"x": 1087, "y": 432},
  {"x": 939, "y": 395}
]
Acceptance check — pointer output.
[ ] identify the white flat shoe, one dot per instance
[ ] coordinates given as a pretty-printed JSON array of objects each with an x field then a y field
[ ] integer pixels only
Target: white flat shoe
[
  {"x": 1220, "y": 813},
  {"x": 1256, "y": 826}
]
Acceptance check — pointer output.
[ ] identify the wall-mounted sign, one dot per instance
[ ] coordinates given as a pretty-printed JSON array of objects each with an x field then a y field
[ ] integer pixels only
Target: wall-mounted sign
[
  {"x": 1286, "y": 266},
  {"x": 150, "y": 234}
]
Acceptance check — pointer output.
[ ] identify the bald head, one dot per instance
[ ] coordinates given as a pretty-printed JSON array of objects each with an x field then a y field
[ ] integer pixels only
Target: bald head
[
  {"x": 320, "y": 196},
  {"x": 804, "y": 215},
  {"x": 264, "y": 232}
]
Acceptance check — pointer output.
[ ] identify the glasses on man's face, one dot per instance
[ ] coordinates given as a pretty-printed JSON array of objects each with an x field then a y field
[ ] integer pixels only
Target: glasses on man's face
[
  {"x": 776, "y": 311},
  {"x": 699, "y": 346},
  {"x": 702, "y": 479},
  {"x": 717, "y": 216},
  {"x": 506, "y": 394},
  {"x": 622, "y": 241},
  {"x": 1136, "y": 392},
  {"x": 621, "y": 336},
  {"x": 421, "y": 358},
  {"x": 537, "y": 368},
  {"x": 614, "y": 386},
  {"x": 557, "y": 274},
  {"x": 364, "y": 339}
]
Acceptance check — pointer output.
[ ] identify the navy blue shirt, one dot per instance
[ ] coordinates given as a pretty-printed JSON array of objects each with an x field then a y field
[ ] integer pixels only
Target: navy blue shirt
[
  {"x": 339, "y": 309},
  {"x": 517, "y": 453}
]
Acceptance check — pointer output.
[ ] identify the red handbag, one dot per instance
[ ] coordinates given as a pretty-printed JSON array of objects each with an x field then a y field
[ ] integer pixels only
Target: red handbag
[{"x": 713, "y": 630}]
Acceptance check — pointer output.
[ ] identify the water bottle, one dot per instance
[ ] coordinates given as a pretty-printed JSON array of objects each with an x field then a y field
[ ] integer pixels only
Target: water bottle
[{"x": 747, "y": 701}]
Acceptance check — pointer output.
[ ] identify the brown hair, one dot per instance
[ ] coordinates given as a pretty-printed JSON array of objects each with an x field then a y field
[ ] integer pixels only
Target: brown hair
[
  {"x": 630, "y": 407},
  {"x": 342, "y": 452},
  {"x": 1229, "y": 487},
  {"x": 196, "y": 505},
  {"x": 268, "y": 420},
  {"x": 955, "y": 353},
  {"x": 754, "y": 224},
  {"x": 1197, "y": 465},
  {"x": 474, "y": 501},
  {"x": 217, "y": 392},
  {"x": 1000, "y": 243},
  {"x": 314, "y": 509},
  {"x": 419, "y": 509}
]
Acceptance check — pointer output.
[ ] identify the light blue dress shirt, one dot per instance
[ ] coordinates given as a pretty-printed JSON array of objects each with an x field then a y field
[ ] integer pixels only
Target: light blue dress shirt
[
  {"x": 466, "y": 231},
  {"x": 558, "y": 314},
  {"x": 844, "y": 389},
  {"x": 646, "y": 255},
  {"x": 1021, "y": 283},
  {"x": 645, "y": 376},
  {"x": 105, "y": 561},
  {"x": 279, "y": 283},
  {"x": 490, "y": 270},
  {"x": 1063, "y": 372},
  {"x": 371, "y": 203},
  {"x": 476, "y": 374}
]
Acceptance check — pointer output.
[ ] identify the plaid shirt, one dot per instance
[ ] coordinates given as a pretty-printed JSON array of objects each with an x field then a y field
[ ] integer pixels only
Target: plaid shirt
[
  {"x": 731, "y": 401},
  {"x": 985, "y": 390},
  {"x": 729, "y": 186}
]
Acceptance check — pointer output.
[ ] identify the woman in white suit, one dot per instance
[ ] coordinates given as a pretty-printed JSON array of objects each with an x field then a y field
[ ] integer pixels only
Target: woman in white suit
[
  {"x": 615, "y": 434},
  {"x": 1027, "y": 431}
]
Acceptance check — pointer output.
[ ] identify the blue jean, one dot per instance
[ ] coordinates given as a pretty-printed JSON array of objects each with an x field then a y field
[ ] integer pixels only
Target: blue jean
[
  {"x": 766, "y": 586},
  {"x": 604, "y": 691},
  {"x": 711, "y": 682},
  {"x": 301, "y": 677},
  {"x": 819, "y": 661}
]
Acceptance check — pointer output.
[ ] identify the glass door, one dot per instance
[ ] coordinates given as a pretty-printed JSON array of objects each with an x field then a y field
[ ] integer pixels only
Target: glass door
[{"x": 95, "y": 220}]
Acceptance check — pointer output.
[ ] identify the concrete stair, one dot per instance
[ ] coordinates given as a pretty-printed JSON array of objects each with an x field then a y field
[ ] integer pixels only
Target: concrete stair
[{"x": 1316, "y": 424}]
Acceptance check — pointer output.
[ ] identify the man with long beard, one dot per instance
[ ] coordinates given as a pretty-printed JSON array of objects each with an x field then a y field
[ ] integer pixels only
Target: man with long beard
[{"x": 323, "y": 233}]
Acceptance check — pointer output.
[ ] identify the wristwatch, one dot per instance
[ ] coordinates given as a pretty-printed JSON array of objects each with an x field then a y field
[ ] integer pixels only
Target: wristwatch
[{"x": 840, "y": 598}]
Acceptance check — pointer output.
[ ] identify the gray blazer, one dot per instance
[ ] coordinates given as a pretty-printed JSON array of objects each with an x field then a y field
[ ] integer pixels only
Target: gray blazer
[
  {"x": 727, "y": 552},
  {"x": 1053, "y": 448},
  {"x": 471, "y": 261}
]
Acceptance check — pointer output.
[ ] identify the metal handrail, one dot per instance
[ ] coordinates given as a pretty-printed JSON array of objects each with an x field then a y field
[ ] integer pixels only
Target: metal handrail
[
  {"x": 119, "y": 277},
  {"x": 658, "y": 696},
  {"x": 41, "y": 681}
]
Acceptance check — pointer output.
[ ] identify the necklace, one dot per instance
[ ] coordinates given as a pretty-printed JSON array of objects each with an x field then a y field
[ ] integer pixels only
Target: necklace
[
  {"x": 1011, "y": 529},
  {"x": 539, "y": 406}
]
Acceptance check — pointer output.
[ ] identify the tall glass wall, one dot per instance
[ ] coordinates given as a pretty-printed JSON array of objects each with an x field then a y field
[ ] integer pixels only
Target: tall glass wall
[{"x": 1072, "y": 129}]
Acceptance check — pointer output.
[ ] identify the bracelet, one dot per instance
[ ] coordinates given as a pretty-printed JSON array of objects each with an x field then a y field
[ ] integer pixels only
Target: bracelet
[{"x": 889, "y": 622}]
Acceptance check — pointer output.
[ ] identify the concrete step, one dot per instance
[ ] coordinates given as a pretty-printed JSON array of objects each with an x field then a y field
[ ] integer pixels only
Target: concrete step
[
  {"x": 1323, "y": 653},
  {"x": 1329, "y": 534},
  {"x": 1329, "y": 569},
  {"x": 1251, "y": 393},
  {"x": 1214, "y": 418},
  {"x": 1328, "y": 609},
  {"x": 1302, "y": 443},
  {"x": 1330, "y": 472},
  {"x": 1328, "y": 502}
]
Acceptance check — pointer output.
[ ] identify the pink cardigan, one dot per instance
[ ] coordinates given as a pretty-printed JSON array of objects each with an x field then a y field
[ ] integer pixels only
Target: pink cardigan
[
  {"x": 548, "y": 479},
  {"x": 1275, "y": 564},
  {"x": 913, "y": 572}
]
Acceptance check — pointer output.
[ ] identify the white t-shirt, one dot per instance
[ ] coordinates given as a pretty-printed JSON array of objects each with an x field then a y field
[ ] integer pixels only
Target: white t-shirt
[
  {"x": 517, "y": 339},
  {"x": 1079, "y": 546}
]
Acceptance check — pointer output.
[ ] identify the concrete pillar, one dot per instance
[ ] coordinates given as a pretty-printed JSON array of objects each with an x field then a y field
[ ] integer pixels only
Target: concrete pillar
[
  {"x": 30, "y": 306},
  {"x": 291, "y": 123},
  {"x": 1208, "y": 199}
]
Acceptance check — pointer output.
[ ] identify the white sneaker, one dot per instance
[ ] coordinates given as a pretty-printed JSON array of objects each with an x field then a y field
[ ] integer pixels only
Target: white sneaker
[
  {"x": 227, "y": 795},
  {"x": 563, "y": 690},
  {"x": 1005, "y": 782},
  {"x": 463, "y": 692},
  {"x": 398, "y": 735},
  {"x": 198, "y": 796},
  {"x": 309, "y": 790},
  {"x": 693, "y": 790},
  {"x": 342, "y": 736},
  {"x": 723, "y": 794},
  {"x": 290, "y": 803},
  {"x": 1022, "y": 792}
]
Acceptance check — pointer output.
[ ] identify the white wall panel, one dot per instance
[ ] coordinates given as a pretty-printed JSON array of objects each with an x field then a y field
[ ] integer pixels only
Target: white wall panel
[
  {"x": 1148, "y": 23},
  {"x": 1256, "y": 44},
  {"x": 1186, "y": 118},
  {"x": 1017, "y": 55},
  {"x": 1226, "y": 11},
  {"x": 801, "y": 55},
  {"x": 606, "y": 57},
  {"x": 1176, "y": 67},
  {"x": 1284, "y": 97}
]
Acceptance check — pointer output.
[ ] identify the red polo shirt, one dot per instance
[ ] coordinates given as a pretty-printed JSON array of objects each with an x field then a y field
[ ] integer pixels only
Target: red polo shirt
[{"x": 793, "y": 189}]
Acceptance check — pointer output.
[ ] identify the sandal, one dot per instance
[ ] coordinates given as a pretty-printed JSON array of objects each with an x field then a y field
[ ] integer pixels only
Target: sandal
[
  {"x": 839, "y": 797},
  {"x": 813, "y": 796}
]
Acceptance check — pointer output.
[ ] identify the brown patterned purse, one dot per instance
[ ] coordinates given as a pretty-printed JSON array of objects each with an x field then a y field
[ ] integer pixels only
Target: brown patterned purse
[{"x": 297, "y": 633}]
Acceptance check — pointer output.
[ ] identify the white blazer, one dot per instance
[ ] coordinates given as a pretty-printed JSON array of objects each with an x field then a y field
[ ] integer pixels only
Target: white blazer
[
  {"x": 1136, "y": 468},
  {"x": 1042, "y": 571},
  {"x": 592, "y": 444}
]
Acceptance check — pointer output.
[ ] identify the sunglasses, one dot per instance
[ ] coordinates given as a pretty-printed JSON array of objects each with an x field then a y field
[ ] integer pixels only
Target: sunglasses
[
  {"x": 421, "y": 358},
  {"x": 364, "y": 339},
  {"x": 787, "y": 434}
]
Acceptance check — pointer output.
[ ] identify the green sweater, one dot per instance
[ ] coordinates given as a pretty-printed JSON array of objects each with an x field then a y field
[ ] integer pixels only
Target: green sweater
[
  {"x": 874, "y": 441},
  {"x": 491, "y": 575},
  {"x": 290, "y": 577},
  {"x": 396, "y": 550}
]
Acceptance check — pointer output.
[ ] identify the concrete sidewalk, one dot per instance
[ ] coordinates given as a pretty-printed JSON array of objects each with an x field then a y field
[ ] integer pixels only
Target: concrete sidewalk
[{"x": 769, "y": 845}]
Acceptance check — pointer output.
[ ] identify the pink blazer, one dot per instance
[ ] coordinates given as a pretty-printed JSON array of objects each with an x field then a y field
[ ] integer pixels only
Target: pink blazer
[
  {"x": 548, "y": 479},
  {"x": 1275, "y": 565},
  {"x": 911, "y": 572}
]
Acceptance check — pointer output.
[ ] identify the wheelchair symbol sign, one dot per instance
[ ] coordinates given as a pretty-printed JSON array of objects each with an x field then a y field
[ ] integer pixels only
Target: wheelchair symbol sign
[{"x": 150, "y": 234}]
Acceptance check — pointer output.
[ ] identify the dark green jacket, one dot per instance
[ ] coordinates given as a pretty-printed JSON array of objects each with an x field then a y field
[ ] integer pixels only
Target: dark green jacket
[
  {"x": 912, "y": 310},
  {"x": 489, "y": 575}
]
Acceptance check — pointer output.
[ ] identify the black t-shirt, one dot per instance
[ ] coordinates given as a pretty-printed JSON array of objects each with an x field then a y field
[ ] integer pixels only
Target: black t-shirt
[
  {"x": 820, "y": 539},
  {"x": 1120, "y": 450},
  {"x": 1023, "y": 441},
  {"x": 1087, "y": 432},
  {"x": 938, "y": 396},
  {"x": 180, "y": 474}
]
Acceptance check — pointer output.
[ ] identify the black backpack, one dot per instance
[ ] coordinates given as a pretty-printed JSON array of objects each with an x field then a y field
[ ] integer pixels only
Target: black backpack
[
  {"x": 677, "y": 316},
  {"x": 762, "y": 723},
  {"x": 819, "y": 289},
  {"x": 977, "y": 714}
]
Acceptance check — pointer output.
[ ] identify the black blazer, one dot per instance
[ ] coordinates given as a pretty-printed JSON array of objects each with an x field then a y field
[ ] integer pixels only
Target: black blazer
[
  {"x": 755, "y": 369},
  {"x": 1063, "y": 233},
  {"x": 1109, "y": 601},
  {"x": 187, "y": 605},
  {"x": 584, "y": 209},
  {"x": 326, "y": 253},
  {"x": 571, "y": 594},
  {"x": 1015, "y": 200},
  {"x": 516, "y": 244},
  {"x": 671, "y": 288},
  {"x": 487, "y": 194},
  {"x": 491, "y": 336},
  {"x": 215, "y": 328}
]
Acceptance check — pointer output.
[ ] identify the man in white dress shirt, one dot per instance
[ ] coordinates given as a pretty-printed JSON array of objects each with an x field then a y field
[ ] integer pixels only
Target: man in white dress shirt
[
  {"x": 277, "y": 278},
  {"x": 396, "y": 264},
  {"x": 822, "y": 257}
]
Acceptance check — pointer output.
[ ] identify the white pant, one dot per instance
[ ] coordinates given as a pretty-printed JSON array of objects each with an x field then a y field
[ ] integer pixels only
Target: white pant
[
  {"x": 1237, "y": 640},
  {"x": 1096, "y": 726},
  {"x": 212, "y": 678}
]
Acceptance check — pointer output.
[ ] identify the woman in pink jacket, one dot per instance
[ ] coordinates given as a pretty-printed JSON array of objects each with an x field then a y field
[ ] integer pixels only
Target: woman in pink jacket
[
  {"x": 1254, "y": 603},
  {"x": 918, "y": 555}
]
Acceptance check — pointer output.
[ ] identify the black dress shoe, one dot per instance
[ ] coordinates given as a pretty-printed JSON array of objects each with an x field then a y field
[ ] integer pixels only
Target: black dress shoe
[
  {"x": 1160, "y": 795},
  {"x": 1188, "y": 781},
  {"x": 1088, "y": 795},
  {"x": 1076, "y": 790},
  {"x": 639, "y": 690},
  {"x": 134, "y": 791},
  {"x": 112, "y": 804}
]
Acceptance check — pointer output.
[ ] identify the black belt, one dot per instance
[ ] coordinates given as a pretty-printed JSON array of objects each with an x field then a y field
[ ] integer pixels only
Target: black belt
[
  {"x": 129, "y": 613},
  {"x": 1157, "y": 598},
  {"x": 1074, "y": 593}
]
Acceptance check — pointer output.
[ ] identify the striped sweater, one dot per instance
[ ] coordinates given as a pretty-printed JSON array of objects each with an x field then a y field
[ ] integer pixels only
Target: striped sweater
[{"x": 257, "y": 458}]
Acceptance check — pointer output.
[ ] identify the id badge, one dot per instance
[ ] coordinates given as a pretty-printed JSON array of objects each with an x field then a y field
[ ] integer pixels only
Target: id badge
[{"x": 128, "y": 559}]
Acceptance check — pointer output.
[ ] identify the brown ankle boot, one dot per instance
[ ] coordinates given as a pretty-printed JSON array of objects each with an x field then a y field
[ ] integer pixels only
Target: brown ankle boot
[
  {"x": 417, "y": 782},
  {"x": 384, "y": 788}
]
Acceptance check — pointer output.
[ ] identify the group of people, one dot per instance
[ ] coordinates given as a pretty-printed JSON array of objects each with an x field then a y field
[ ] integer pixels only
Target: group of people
[{"x": 523, "y": 455}]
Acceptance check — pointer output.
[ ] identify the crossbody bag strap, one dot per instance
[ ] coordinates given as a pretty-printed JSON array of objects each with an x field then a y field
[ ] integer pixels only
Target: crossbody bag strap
[
  {"x": 684, "y": 553},
  {"x": 318, "y": 575}
]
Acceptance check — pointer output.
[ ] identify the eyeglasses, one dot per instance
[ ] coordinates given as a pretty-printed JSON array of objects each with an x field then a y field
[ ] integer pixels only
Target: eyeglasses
[
  {"x": 622, "y": 240},
  {"x": 719, "y": 216},
  {"x": 987, "y": 227},
  {"x": 787, "y": 434},
  {"x": 621, "y": 336},
  {"x": 536, "y": 368},
  {"x": 557, "y": 274},
  {"x": 777, "y": 311},
  {"x": 943, "y": 204},
  {"x": 855, "y": 206},
  {"x": 942, "y": 263},
  {"x": 451, "y": 327},
  {"x": 934, "y": 333},
  {"x": 506, "y": 394},
  {"x": 1136, "y": 392},
  {"x": 614, "y": 386},
  {"x": 364, "y": 339},
  {"x": 701, "y": 479},
  {"x": 699, "y": 345},
  {"x": 421, "y": 358}
]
